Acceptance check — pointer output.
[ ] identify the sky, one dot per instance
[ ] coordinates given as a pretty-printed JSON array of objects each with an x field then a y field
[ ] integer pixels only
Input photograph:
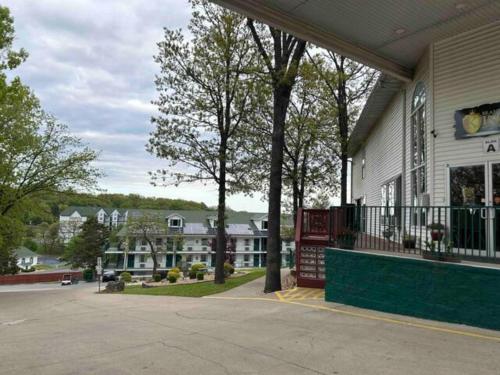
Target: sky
[{"x": 91, "y": 65}]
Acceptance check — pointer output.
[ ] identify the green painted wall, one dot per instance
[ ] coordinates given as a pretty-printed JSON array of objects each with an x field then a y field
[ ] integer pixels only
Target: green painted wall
[{"x": 448, "y": 292}]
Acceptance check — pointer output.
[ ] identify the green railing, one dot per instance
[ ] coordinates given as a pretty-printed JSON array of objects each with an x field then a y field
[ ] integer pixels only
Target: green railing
[{"x": 466, "y": 232}]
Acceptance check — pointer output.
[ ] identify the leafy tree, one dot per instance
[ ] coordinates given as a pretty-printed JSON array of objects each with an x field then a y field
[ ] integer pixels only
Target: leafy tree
[
  {"x": 207, "y": 98},
  {"x": 281, "y": 58},
  {"x": 50, "y": 239},
  {"x": 346, "y": 84},
  {"x": 37, "y": 154},
  {"x": 147, "y": 227},
  {"x": 84, "y": 249},
  {"x": 8, "y": 262}
]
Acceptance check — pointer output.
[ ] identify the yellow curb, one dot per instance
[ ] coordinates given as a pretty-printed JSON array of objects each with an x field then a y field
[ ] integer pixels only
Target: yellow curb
[{"x": 371, "y": 317}]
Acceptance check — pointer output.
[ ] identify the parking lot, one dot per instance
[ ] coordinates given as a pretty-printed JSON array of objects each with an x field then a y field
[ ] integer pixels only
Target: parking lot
[{"x": 73, "y": 330}]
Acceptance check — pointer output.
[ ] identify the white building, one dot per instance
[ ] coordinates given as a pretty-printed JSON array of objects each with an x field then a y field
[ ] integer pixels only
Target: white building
[
  {"x": 25, "y": 257},
  {"x": 191, "y": 239},
  {"x": 72, "y": 218}
]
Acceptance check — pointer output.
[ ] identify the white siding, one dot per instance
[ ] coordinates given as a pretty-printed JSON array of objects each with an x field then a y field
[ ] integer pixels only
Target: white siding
[
  {"x": 384, "y": 153},
  {"x": 466, "y": 74}
]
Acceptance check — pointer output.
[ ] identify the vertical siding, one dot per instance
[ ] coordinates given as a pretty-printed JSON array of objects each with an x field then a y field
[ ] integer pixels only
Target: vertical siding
[
  {"x": 384, "y": 153},
  {"x": 466, "y": 74}
]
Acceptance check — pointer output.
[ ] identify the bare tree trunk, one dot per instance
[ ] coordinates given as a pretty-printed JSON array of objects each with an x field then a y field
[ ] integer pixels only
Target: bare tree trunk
[
  {"x": 221, "y": 212},
  {"x": 153, "y": 256},
  {"x": 273, "y": 264}
]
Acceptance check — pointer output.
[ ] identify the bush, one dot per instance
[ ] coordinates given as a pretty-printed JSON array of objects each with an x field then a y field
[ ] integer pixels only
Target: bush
[
  {"x": 156, "y": 277},
  {"x": 200, "y": 276},
  {"x": 175, "y": 269},
  {"x": 88, "y": 275},
  {"x": 228, "y": 269},
  {"x": 163, "y": 274},
  {"x": 192, "y": 274},
  {"x": 173, "y": 274},
  {"x": 171, "y": 278},
  {"x": 31, "y": 269},
  {"x": 197, "y": 266},
  {"x": 126, "y": 277}
]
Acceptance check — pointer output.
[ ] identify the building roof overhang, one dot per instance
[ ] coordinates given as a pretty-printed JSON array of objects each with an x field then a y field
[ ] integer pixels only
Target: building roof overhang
[{"x": 388, "y": 35}]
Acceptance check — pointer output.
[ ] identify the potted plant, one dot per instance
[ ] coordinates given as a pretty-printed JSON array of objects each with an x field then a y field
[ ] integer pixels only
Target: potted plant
[
  {"x": 409, "y": 242},
  {"x": 432, "y": 252},
  {"x": 346, "y": 238},
  {"x": 437, "y": 231},
  {"x": 388, "y": 233}
]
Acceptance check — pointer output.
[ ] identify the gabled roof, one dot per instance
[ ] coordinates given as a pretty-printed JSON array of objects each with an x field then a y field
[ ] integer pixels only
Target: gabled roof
[
  {"x": 382, "y": 94},
  {"x": 90, "y": 210},
  {"x": 24, "y": 252}
]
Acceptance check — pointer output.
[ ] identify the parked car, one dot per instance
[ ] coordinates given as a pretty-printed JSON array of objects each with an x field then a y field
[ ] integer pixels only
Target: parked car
[{"x": 109, "y": 276}]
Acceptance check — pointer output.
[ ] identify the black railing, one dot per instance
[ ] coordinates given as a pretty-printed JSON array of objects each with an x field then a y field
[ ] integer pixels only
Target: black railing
[{"x": 465, "y": 232}]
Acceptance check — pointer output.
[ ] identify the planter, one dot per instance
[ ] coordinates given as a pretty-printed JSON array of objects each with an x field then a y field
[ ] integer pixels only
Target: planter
[
  {"x": 409, "y": 244},
  {"x": 346, "y": 242},
  {"x": 437, "y": 235},
  {"x": 387, "y": 234},
  {"x": 441, "y": 257}
]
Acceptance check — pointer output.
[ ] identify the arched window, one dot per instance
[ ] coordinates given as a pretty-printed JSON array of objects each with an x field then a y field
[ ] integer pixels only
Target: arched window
[{"x": 418, "y": 144}]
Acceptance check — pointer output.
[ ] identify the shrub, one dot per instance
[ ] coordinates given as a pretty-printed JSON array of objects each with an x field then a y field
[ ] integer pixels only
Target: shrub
[
  {"x": 171, "y": 278},
  {"x": 200, "y": 275},
  {"x": 126, "y": 277},
  {"x": 176, "y": 270},
  {"x": 228, "y": 269},
  {"x": 197, "y": 266},
  {"x": 156, "y": 277},
  {"x": 31, "y": 269},
  {"x": 88, "y": 275},
  {"x": 163, "y": 274},
  {"x": 192, "y": 274},
  {"x": 173, "y": 274}
]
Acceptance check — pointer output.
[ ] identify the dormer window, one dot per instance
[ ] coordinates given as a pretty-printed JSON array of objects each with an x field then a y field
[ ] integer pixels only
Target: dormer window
[
  {"x": 264, "y": 225},
  {"x": 175, "y": 223}
]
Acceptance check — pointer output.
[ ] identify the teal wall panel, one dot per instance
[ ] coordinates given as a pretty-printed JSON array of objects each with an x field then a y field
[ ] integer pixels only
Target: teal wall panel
[{"x": 455, "y": 293}]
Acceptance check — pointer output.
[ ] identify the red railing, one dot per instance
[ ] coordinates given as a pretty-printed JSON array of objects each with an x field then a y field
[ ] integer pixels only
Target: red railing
[{"x": 35, "y": 277}]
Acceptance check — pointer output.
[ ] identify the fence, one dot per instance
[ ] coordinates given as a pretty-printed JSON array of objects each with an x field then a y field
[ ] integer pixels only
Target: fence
[
  {"x": 432, "y": 231},
  {"x": 37, "y": 277}
]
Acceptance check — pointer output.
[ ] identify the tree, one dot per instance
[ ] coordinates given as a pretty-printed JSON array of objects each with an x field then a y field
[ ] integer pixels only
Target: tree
[
  {"x": 84, "y": 249},
  {"x": 282, "y": 64},
  {"x": 207, "y": 96},
  {"x": 37, "y": 154},
  {"x": 50, "y": 240},
  {"x": 147, "y": 227},
  {"x": 346, "y": 85}
]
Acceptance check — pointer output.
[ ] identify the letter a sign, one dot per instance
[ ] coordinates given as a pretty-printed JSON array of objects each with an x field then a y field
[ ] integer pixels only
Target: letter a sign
[{"x": 490, "y": 146}]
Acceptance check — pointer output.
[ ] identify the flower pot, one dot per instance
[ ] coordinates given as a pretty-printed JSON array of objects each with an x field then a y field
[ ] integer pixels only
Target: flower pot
[
  {"x": 346, "y": 242},
  {"x": 409, "y": 244},
  {"x": 437, "y": 235},
  {"x": 441, "y": 256}
]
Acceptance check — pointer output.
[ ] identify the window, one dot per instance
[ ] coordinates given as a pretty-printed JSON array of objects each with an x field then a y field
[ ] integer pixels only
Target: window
[
  {"x": 189, "y": 258},
  {"x": 31, "y": 259},
  {"x": 175, "y": 223},
  {"x": 203, "y": 257},
  {"x": 390, "y": 201},
  {"x": 418, "y": 145},
  {"x": 144, "y": 242},
  {"x": 204, "y": 242},
  {"x": 159, "y": 242},
  {"x": 142, "y": 258},
  {"x": 246, "y": 258},
  {"x": 264, "y": 225},
  {"x": 247, "y": 241},
  {"x": 190, "y": 248}
]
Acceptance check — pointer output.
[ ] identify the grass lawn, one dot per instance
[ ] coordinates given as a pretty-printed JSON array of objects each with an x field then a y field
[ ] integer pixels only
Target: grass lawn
[{"x": 196, "y": 289}]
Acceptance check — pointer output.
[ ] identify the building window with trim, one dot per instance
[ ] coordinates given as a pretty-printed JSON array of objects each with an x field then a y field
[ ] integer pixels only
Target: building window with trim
[
  {"x": 418, "y": 150},
  {"x": 391, "y": 201}
]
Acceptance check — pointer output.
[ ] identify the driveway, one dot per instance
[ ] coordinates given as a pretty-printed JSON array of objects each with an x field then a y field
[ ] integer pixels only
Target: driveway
[{"x": 75, "y": 331}]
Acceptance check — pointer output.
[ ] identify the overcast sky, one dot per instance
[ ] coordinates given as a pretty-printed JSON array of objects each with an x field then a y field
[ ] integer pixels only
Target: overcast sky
[{"x": 91, "y": 66}]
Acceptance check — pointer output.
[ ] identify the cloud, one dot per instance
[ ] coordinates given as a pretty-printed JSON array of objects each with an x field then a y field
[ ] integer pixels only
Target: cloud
[{"x": 91, "y": 64}]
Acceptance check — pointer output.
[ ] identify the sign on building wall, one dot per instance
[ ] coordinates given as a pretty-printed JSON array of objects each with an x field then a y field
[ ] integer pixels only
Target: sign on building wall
[
  {"x": 478, "y": 121},
  {"x": 490, "y": 146}
]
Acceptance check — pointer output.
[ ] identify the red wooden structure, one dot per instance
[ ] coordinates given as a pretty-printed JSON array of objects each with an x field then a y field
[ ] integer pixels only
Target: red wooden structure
[{"x": 315, "y": 230}]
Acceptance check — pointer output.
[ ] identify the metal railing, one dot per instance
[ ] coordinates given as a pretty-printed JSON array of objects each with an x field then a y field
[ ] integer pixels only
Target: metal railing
[{"x": 467, "y": 232}]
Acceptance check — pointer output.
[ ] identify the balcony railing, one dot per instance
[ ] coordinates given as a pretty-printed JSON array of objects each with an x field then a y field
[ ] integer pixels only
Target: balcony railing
[{"x": 468, "y": 232}]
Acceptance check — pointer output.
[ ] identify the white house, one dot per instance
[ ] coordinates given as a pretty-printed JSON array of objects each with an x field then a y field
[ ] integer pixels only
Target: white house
[
  {"x": 190, "y": 238},
  {"x": 25, "y": 257}
]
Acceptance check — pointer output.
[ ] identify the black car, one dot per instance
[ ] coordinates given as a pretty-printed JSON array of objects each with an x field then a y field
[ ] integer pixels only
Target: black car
[{"x": 109, "y": 276}]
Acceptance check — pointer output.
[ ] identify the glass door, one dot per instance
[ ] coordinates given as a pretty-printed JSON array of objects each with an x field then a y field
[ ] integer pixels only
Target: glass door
[{"x": 468, "y": 219}]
